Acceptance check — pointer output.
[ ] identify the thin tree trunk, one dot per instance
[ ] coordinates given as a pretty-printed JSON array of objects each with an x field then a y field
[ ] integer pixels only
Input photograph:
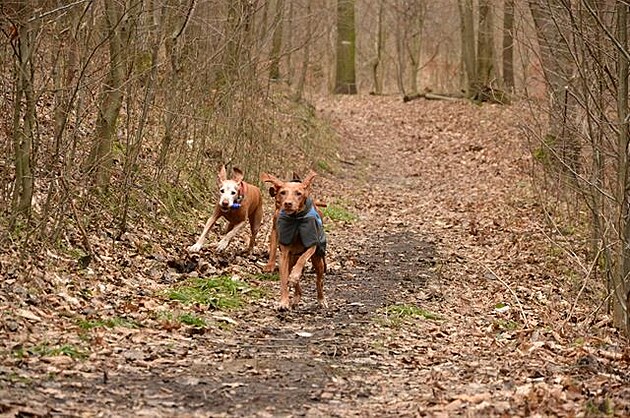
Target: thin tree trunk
[
  {"x": 508, "y": 45},
  {"x": 289, "y": 44},
  {"x": 557, "y": 64},
  {"x": 400, "y": 54},
  {"x": 299, "y": 90},
  {"x": 134, "y": 149},
  {"x": 414, "y": 44},
  {"x": 24, "y": 117},
  {"x": 276, "y": 42},
  {"x": 378, "y": 50},
  {"x": 623, "y": 173},
  {"x": 100, "y": 161}
]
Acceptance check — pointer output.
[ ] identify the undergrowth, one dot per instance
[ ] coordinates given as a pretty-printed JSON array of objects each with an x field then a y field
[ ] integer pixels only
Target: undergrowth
[
  {"x": 224, "y": 293},
  {"x": 395, "y": 315}
]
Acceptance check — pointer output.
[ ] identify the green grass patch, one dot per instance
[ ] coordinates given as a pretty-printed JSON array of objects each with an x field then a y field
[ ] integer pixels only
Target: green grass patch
[
  {"x": 45, "y": 350},
  {"x": 88, "y": 324},
  {"x": 266, "y": 277},
  {"x": 192, "y": 320},
  {"x": 324, "y": 166},
  {"x": 403, "y": 311},
  {"x": 217, "y": 292},
  {"x": 506, "y": 325},
  {"x": 338, "y": 213}
]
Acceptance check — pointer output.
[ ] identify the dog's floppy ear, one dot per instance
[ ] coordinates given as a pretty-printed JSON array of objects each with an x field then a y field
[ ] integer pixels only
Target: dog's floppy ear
[
  {"x": 309, "y": 178},
  {"x": 222, "y": 175},
  {"x": 238, "y": 174}
]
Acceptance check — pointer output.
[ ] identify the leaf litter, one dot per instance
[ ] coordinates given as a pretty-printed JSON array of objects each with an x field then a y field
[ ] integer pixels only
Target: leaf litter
[{"x": 445, "y": 298}]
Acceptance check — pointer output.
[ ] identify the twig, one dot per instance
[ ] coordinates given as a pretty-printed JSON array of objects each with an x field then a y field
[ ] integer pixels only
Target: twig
[
  {"x": 84, "y": 235},
  {"x": 58, "y": 9},
  {"x": 577, "y": 298},
  {"x": 507, "y": 286}
]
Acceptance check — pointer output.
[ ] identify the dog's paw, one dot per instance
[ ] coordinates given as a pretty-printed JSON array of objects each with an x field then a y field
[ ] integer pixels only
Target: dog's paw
[
  {"x": 284, "y": 305},
  {"x": 222, "y": 245},
  {"x": 194, "y": 248},
  {"x": 269, "y": 268},
  {"x": 295, "y": 302},
  {"x": 323, "y": 303}
]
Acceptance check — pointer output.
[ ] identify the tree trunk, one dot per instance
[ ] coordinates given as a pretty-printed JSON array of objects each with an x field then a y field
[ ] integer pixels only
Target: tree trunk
[
  {"x": 345, "y": 78},
  {"x": 485, "y": 51},
  {"x": 289, "y": 43},
  {"x": 101, "y": 159},
  {"x": 133, "y": 150},
  {"x": 416, "y": 11},
  {"x": 175, "y": 27},
  {"x": 24, "y": 113},
  {"x": 301, "y": 82},
  {"x": 378, "y": 50},
  {"x": 469, "y": 56},
  {"x": 558, "y": 65},
  {"x": 622, "y": 281},
  {"x": 508, "y": 45},
  {"x": 276, "y": 42}
]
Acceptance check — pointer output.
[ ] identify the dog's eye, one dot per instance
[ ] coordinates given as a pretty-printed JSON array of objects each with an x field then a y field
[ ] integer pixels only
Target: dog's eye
[
  {"x": 298, "y": 194},
  {"x": 283, "y": 192},
  {"x": 222, "y": 191},
  {"x": 233, "y": 192}
]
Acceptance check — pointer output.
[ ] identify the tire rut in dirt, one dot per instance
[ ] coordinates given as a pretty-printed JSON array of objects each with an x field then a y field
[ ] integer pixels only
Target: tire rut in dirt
[{"x": 289, "y": 364}]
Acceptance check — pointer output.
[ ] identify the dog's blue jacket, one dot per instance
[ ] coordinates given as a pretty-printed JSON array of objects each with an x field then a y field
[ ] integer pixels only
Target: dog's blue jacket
[{"x": 307, "y": 224}]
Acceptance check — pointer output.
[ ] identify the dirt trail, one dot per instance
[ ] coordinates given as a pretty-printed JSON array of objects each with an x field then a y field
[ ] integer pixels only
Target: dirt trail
[{"x": 445, "y": 224}]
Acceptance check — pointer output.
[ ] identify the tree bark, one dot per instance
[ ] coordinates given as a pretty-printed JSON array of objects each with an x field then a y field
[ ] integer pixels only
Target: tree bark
[
  {"x": 276, "y": 42},
  {"x": 24, "y": 112},
  {"x": 469, "y": 56},
  {"x": 485, "y": 50},
  {"x": 301, "y": 82},
  {"x": 508, "y": 45},
  {"x": 415, "y": 44},
  {"x": 622, "y": 280},
  {"x": 378, "y": 50},
  {"x": 101, "y": 159},
  {"x": 345, "y": 78}
]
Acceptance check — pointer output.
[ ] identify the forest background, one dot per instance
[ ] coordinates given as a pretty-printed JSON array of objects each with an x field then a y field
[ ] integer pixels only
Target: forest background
[{"x": 116, "y": 113}]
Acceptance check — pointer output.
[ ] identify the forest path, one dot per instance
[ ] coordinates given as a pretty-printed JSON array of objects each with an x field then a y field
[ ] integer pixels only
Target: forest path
[{"x": 443, "y": 299}]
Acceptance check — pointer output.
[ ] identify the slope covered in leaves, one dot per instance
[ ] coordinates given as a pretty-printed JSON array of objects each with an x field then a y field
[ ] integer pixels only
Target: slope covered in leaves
[{"x": 447, "y": 297}]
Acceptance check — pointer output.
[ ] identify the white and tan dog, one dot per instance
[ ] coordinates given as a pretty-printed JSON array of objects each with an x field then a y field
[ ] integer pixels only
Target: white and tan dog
[{"x": 238, "y": 203}]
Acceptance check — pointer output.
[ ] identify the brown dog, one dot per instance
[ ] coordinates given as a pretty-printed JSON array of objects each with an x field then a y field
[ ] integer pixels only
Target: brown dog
[
  {"x": 238, "y": 202},
  {"x": 273, "y": 236},
  {"x": 300, "y": 232}
]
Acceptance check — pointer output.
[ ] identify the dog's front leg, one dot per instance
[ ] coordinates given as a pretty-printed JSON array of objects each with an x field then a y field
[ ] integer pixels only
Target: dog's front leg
[
  {"x": 296, "y": 271},
  {"x": 285, "y": 258},
  {"x": 273, "y": 246},
  {"x": 222, "y": 245},
  {"x": 202, "y": 238}
]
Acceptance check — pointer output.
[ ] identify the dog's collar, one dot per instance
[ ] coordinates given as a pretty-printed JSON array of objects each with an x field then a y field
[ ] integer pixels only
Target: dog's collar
[{"x": 241, "y": 193}]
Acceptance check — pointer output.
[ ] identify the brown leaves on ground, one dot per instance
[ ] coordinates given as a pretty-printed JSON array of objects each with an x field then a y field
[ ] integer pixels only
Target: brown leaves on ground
[{"x": 447, "y": 297}]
